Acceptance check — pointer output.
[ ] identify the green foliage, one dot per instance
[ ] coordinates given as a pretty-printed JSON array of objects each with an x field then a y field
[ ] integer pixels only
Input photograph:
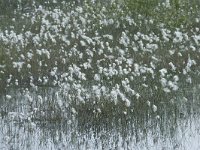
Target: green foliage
[
  {"x": 141, "y": 6},
  {"x": 173, "y": 14}
]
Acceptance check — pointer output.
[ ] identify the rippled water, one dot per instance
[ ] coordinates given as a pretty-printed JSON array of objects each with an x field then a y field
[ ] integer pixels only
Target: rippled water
[{"x": 169, "y": 128}]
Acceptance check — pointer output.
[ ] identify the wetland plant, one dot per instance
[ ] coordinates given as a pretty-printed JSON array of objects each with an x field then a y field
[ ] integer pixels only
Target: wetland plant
[{"x": 100, "y": 57}]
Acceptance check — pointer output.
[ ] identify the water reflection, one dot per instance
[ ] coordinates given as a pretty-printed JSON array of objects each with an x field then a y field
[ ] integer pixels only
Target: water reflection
[{"x": 172, "y": 127}]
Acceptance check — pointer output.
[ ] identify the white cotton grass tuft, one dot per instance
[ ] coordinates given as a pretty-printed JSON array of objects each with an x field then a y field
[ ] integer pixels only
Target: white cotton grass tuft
[
  {"x": 16, "y": 82},
  {"x": 157, "y": 117},
  {"x": 148, "y": 103},
  {"x": 137, "y": 95},
  {"x": 163, "y": 72},
  {"x": 154, "y": 107},
  {"x": 97, "y": 77},
  {"x": 8, "y": 97},
  {"x": 73, "y": 110},
  {"x": 125, "y": 112},
  {"x": 98, "y": 110},
  {"x": 127, "y": 103},
  {"x": 185, "y": 99}
]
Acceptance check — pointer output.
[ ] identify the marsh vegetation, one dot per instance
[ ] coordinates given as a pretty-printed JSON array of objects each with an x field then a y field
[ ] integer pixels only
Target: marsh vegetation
[{"x": 99, "y": 63}]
